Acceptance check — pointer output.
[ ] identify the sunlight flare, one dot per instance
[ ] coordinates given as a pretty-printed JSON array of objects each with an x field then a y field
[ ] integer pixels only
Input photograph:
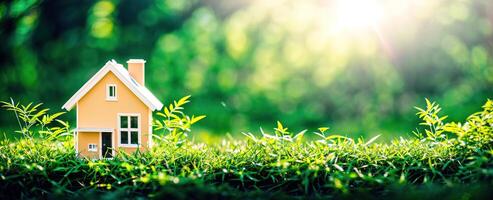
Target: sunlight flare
[{"x": 358, "y": 14}]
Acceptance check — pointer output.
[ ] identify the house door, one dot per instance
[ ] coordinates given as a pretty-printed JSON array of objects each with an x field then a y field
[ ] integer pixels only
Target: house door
[{"x": 106, "y": 145}]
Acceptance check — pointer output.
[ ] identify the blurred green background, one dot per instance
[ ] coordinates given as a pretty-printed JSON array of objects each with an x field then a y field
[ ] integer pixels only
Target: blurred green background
[{"x": 358, "y": 67}]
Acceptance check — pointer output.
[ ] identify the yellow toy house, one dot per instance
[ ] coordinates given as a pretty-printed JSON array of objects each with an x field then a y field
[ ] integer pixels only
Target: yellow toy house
[{"x": 114, "y": 111}]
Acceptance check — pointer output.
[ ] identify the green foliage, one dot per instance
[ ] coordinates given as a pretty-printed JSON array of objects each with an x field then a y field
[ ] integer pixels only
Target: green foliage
[
  {"x": 33, "y": 116},
  {"x": 175, "y": 124},
  {"x": 475, "y": 129},
  {"x": 278, "y": 162}
]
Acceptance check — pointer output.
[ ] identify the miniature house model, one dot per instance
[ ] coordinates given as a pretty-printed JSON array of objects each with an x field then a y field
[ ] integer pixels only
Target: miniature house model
[{"x": 114, "y": 111}]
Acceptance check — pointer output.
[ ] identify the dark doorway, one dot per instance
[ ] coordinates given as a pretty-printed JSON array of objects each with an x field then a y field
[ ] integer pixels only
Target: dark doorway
[{"x": 106, "y": 145}]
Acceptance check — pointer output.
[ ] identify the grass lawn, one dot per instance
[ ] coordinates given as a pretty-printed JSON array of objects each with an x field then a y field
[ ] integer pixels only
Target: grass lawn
[{"x": 445, "y": 161}]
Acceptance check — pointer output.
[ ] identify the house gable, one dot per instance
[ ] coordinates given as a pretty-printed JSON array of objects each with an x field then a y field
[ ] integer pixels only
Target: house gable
[
  {"x": 95, "y": 111},
  {"x": 122, "y": 74}
]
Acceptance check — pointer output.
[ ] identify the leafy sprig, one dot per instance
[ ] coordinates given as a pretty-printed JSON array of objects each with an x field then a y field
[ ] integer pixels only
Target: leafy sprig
[
  {"x": 175, "y": 124},
  {"x": 34, "y": 116}
]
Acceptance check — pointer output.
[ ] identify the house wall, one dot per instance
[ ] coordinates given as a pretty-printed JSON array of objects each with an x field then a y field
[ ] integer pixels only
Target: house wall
[
  {"x": 86, "y": 138},
  {"x": 94, "y": 111}
]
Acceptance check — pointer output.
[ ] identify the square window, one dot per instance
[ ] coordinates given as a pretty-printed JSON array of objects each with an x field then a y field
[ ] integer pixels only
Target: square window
[
  {"x": 124, "y": 137},
  {"x": 92, "y": 147},
  {"x": 123, "y": 122},
  {"x": 134, "y": 137},
  {"x": 134, "y": 122}
]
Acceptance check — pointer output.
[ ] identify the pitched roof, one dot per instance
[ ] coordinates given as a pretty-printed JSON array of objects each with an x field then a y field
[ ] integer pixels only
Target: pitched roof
[{"x": 139, "y": 90}]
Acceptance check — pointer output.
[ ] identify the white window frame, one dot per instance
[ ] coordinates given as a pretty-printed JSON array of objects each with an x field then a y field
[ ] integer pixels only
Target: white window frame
[
  {"x": 138, "y": 129},
  {"x": 95, "y": 149},
  {"x": 108, "y": 97}
]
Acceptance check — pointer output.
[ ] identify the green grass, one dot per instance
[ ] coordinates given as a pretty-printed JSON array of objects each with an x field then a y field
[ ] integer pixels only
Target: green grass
[{"x": 446, "y": 160}]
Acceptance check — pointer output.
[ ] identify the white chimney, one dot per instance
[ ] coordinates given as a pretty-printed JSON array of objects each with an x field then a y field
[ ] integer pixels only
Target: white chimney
[{"x": 136, "y": 69}]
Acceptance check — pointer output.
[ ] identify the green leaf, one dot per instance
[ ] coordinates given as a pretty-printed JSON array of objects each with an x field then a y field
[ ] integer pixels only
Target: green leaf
[
  {"x": 372, "y": 140},
  {"x": 319, "y": 134},
  {"x": 279, "y": 125},
  {"x": 162, "y": 115},
  {"x": 196, "y": 119},
  {"x": 183, "y": 100},
  {"x": 323, "y": 129},
  {"x": 64, "y": 123},
  {"x": 298, "y": 137}
]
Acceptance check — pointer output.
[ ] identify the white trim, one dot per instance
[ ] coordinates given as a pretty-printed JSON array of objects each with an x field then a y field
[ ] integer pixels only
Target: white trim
[
  {"x": 108, "y": 97},
  {"x": 76, "y": 146},
  {"x": 89, "y": 149},
  {"x": 113, "y": 142},
  {"x": 140, "y": 91},
  {"x": 129, "y": 130},
  {"x": 94, "y": 129},
  {"x": 149, "y": 140},
  {"x": 139, "y": 61},
  {"x": 76, "y": 134},
  {"x": 101, "y": 144}
]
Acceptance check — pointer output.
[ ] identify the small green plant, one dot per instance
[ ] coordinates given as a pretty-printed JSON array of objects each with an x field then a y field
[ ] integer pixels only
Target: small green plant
[
  {"x": 331, "y": 140},
  {"x": 476, "y": 129},
  {"x": 433, "y": 121},
  {"x": 281, "y": 134},
  {"x": 175, "y": 124},
  {"x": 34, "y": 116}
]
